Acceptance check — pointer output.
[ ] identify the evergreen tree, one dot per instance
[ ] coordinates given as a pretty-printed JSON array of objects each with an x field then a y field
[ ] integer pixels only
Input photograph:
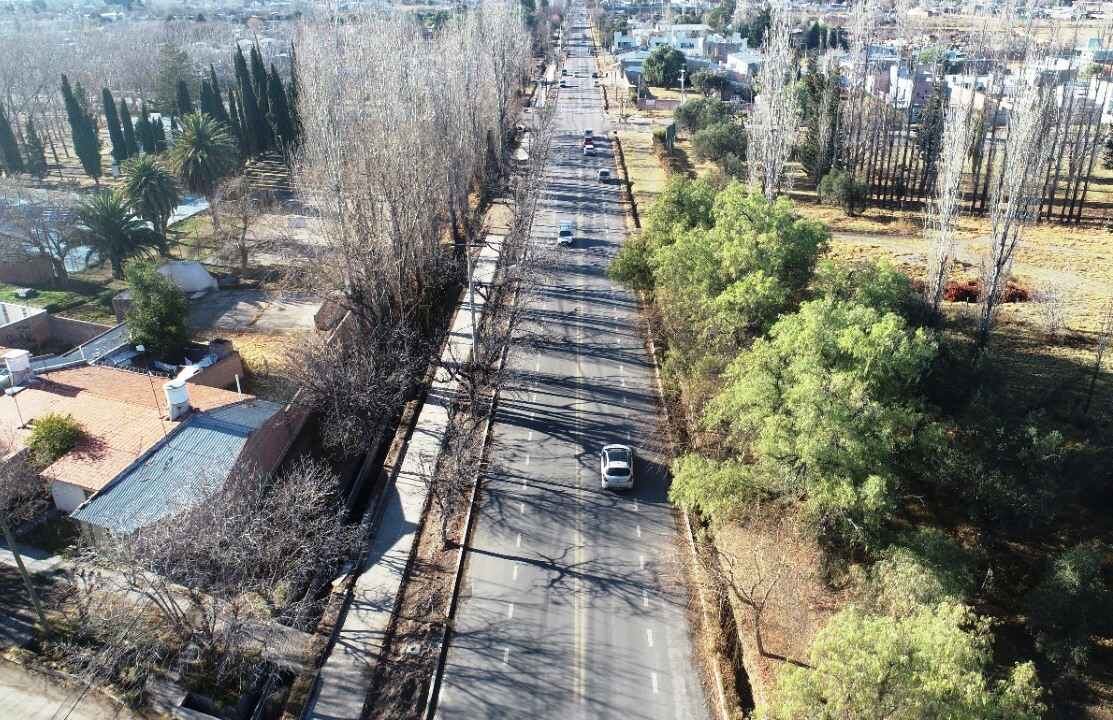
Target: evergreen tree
[
  {"x": 214, "y": 86},
  {"x": 129, "y": 129},
  {"x": 12, "y": 161},
  {"x": 34, "y": 150},
  {"x": 208, "y": 104},
  {"x": 259, "y": 79},
  {"x": 280, "y": 113},
  {"x": 85, "y": 141},
  {"x": 185, "y": 102},
  {"x": 145, "y": 130},
  {"x": 236, "y": 124},
  {"x": 173, "y": 66},
  {"x": 253, "y": 122},
  {"x": 159, "y": 132},
  {"x": 115, "y": 133}
]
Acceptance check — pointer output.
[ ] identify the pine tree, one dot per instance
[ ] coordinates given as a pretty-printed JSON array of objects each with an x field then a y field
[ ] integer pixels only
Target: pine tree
[
  {"x": 221, "y": 113},
  {"x": 12, "y": 160},
  {"x": 159, "y": 132},
  {"x": 85, "y": 141},
  {"x": 34, "y": 150},
  {"x": 145, "y": 131},
  {"x": 208, "y": 105},
  {"x": 185, "y": 102},
  {"x": 129, "y": 129},
  {"x": 280, "y": 113},
  {"x": 115, "y": 133}
]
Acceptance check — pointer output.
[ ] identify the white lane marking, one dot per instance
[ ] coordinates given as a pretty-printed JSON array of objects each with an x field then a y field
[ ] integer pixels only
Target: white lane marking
[
  {"x": 653, "y": 679},
  {"x": 530, "y": 435},
  {"x": 506, "y": 656},
  {"x": 509, "y": 611},
  {"x": 622, "y": 380},
  {"x": 645, "y": 598},
  {"x": 522, "y": 508},
  {"x": 627, "y": 436},
  {"x": 537, "y": 365},
  {"x": 635, "y": 504},
  {"x": 638, "y": 528},
  {"x": 517, "y": 565},
  {"x": 527, "y": 458},
  {"x": 649, "y": 636},
  {"x": 641, "y": 561},
  {"x": 518, "y": 541},
  {"x": 618, "y": 341}
]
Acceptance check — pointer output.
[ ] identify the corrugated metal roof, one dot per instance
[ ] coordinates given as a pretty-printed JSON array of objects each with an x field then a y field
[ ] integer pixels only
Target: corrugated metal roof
[{"x": 189, "y": 466}]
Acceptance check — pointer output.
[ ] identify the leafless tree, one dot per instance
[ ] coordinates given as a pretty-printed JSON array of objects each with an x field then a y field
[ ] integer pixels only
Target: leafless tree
[
  {"x": 1051, "y": 305},
  {"x": 945, "y": 205},
  {"x": 773, "y": 123},
  {"x": 43, "y": 223},
  {"x": 240, "y": 206},
  {"x": 1018, "y": 191},
  {"x": 23, "y": 497}
]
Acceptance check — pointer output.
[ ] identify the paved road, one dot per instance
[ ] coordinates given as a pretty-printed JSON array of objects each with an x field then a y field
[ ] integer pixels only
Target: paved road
[
  {"x": 26, "y": 695},
  {"x": 573, "y": 603}
]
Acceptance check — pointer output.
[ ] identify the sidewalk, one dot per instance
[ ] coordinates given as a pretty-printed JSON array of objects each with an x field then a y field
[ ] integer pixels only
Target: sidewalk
[
  {"x": 28, "y": 695},
  {"x": 345, "y": 678}
]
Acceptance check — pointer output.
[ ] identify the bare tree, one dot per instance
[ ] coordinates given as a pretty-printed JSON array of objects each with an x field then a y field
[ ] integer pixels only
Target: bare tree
[
  {"x": 1018, "y": 191},
  {"x": 1051, "y": 305},
  {"x": 773, "y": 123},
  {"x": 944, "y": 207},
  {"x": 23, "y": 497},
  {"x": 43, "y": 222},
  {"x": 240, "y": 206}
]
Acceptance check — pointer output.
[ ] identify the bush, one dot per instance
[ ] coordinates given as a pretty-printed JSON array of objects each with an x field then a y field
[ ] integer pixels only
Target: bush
[
  {"x": 157, "y": 318},
  {"x": 662, "y": 67},
  {"x": 839, "y": 187},
  {"x": 695, "y": 115},
  {"x": 876, "y": 284},
  {"x": 724, "y": 144},
  {"x": 52, "y": 436}
]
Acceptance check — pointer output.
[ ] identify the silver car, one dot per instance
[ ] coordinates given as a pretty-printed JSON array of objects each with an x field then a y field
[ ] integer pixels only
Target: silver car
[{"x": 616, "y": 467}]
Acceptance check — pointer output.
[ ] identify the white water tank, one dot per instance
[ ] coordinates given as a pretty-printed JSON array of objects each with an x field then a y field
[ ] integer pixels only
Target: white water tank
[
  {"x": 177, "y": 398},
  {"x": 18, "y": 363}
]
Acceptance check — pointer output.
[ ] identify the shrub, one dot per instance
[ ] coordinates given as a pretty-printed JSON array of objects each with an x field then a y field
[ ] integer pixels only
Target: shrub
[
  {"x": 724, "y": 144},
  {"x": 839, "y": 187},
  {"x": 876, "y": 284},
  {"x": 701, "y": 113},
  {"x": 52, "y": 436},
  {"x": 157, "y": 318}
]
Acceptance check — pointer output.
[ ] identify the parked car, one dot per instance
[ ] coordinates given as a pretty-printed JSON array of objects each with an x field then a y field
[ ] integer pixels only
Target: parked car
[
  {"x": 616, "y": 467},
  {"x": 588, "y": 133},
  {"x": 589, "y": 149},
  {"x": 594, "y": 74},
  {"x": 604, "y": 175},
  {"x": 566, "y": 235}
]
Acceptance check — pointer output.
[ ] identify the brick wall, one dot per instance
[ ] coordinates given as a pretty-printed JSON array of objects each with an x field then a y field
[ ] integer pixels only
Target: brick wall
[
  {"x": 69, "y": 333},
  {"x": 222, "y": 374},
  {"x": 32, "y": 270},
  {"x": 267, "y": 446},
  {"x": 28, "y": 333}
]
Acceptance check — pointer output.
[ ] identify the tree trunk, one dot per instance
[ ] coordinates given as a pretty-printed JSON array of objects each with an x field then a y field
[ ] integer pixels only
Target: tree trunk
[
  {"x": 117, "y": 267},
  {"x": 24, "y": 574}
]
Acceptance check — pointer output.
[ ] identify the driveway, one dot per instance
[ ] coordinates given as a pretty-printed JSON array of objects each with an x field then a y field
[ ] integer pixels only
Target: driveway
[{"x": 27, "y": 695}]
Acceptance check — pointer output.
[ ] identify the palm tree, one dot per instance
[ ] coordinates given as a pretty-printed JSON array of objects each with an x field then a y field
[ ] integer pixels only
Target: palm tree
[
  {"x": 112, "y": 231},
  {"x": 153, "y": 191},
  {"x": 204, "y": 153}
]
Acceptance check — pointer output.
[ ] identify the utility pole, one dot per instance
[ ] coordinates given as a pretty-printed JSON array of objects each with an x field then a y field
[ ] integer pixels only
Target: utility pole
[
  {"x": 10, "y": 540},
  {"x": 683, "y": 94}
]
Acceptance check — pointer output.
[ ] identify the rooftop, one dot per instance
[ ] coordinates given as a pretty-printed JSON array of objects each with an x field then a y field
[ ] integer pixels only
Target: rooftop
[
  {"x": 192, "y": 464},
  {"x": 123, "y": 414}
]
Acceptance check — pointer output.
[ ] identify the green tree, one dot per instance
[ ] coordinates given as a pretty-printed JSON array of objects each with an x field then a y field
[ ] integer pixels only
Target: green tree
[
  {"x": 930, "y": 134},
  {"x": 115, "y": 132},
  {"x": 184, "y": 104},
  {"x": 824, "y": 409},
  {"x": 701, "y": 113},
  {"x": 158, "y": 316},
  {"x": 217, "y": 97},
  {"x": 52, "y": 436},
  {"x": 112, "y": 231},
  {"x": 926, "y": 568},
  {"x": 878, "y": 284},
  {"x": 933, "y": 663},
  {"x": 34, "y": 150},
  {"x": 1070, "y": 604},
  {"x": 710, "y": 84},
  {"x": 153, "y": 191},
  {"x": 203, "y": 155},
  {"x": 292, "y": 97},
  {"x": 145, "y": 131},
  {"x": 86, "y": 143},
  {"x": 207, "y": 100},
  {"x": 252, "y": 122},
  {"x": 128, "y": 127},
  {"x": 11, "y": 160},
  {"x": 279, "y": 118},
  {"x": 840, "y": 188},
  {"x": 173, "y": 68},
  {"x": 754, "y": 29},
  {"x": 662, "y": 67},
  {"x": 724, "y": 144}
]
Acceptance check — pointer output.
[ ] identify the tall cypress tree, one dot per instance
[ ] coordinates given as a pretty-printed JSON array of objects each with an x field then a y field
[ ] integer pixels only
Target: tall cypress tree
[
  {"x": 185, "y": 102},
  {"x": 259, "y": 79},
  {"x": 10, "y": 156},
  {"x": 159, "y": 133},
  {"x": 256, "y": 133},
  {"x": 115, "y": 133},
  {"x": 292, "y": 97},
  {"x": 208, "y": 106},
  {"x": 129, "y": 128},
  {"x": 145, "y": 131},
  {"x": 221, "y": 113},
  {"x": 236, "y": 123},
  {"x": 34, "y": 150},
  {"x": 85, "y": 141},
  {"x": 280, "y": 113}
]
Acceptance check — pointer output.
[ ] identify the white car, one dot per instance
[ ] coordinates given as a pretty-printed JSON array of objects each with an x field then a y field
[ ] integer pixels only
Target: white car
[
  {"x": 604, "y": 175},
  {"x": 566, "y": 236},
  {"x": 588, "y": 133},
  {"x": 589, "y": 149},
  {"x": 616, "y": 466}
]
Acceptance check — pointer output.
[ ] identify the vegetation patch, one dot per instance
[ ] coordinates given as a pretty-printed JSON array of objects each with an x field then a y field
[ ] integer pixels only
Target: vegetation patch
[{"x": 52, "y": 436}]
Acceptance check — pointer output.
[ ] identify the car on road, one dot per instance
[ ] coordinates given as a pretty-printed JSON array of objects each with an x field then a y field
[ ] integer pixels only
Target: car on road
[
  {"x": 566, "y": 235},
  {"x": 588, "y": 133},
  {"x": 604, "y": 175},
  {"x": 616, "y": 467},
  {"x": 594, "y": 74},
  {"x": 563, "y": 84},
  {"x": 589, "y": 150}
]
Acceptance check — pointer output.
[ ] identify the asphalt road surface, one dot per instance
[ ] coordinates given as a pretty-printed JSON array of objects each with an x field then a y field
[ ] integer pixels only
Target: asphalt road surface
[{"x": 573, "y": 603}]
